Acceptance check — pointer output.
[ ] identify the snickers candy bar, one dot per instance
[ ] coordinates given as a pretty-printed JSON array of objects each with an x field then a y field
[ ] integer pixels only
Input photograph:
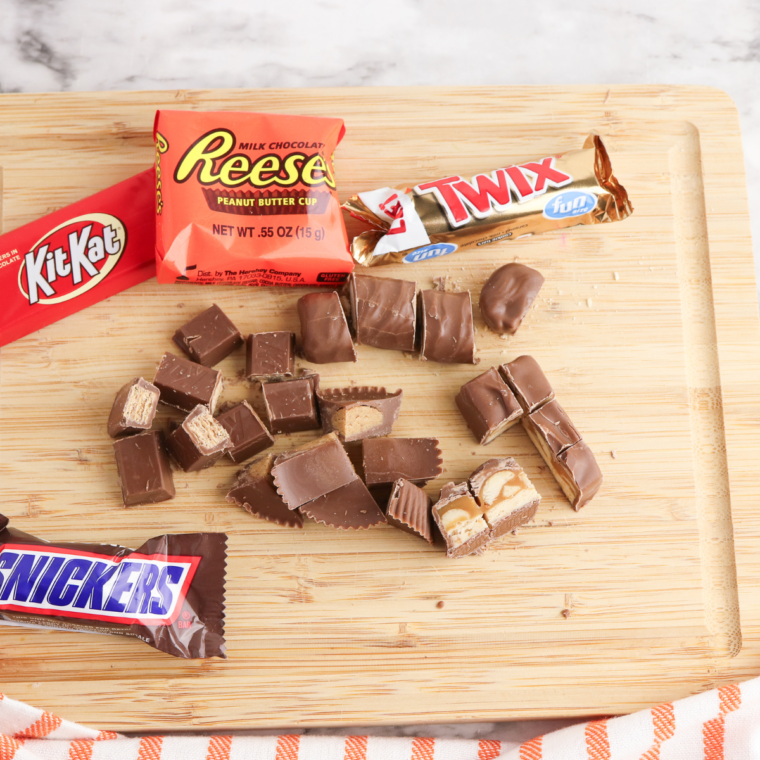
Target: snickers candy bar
[
  {"x": 291, "y": 404},
  {"x": 504, "y": 493},
  {"x": 184, "y": 384},
  {"x": 198, "y": 441},
  {"x": 385, "y": 460},
  {"x": 383, "y": 312},
  {"x": 270, "y": 356},
  {"x": 254, "y": 491},
  {"x": 133, "y": 408},
  {"x": 446, "y": 329},
  {"x": 528, "y": 383},
  {"x": 488, "y": 406},
  {"x": 325, "y": 337},
  {"x": 168, "y": 593},
  {"x": 578, "y": 474},
  {"x": 247, "y": 433},
  {"x": 409, "y": 510},
  {"x": 550, "y": 430},
  {"x": 145, "y": 473},
  {"x": 349, "y": 507},
  {"x": 357, "y": 413},
  {"x": 209, "y": 337},
  {"x": 460, "y": 520},
  {"x": 508, "y": 295}
]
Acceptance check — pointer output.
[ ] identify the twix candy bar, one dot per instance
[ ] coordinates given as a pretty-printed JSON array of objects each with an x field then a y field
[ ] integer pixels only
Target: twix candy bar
[{"x": 439, "y": 217}]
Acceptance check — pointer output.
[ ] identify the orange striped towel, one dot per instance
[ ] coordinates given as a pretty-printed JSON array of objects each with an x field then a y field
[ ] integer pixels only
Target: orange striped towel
[{"x": 723, "y": 724}]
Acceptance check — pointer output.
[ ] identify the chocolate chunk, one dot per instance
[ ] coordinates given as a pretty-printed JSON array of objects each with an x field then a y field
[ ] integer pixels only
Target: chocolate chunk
[
  {"x": 291, "y": 404},
  {"x": 133, "y": 408},
  {"x": 144, "y": 470},
  {"x": 254, "y": 491},
  {"x": 324, "y": 330},
  {"x": 361, "y": 412},
  {"x": 460, "y": 520},
  {"x": 383, "y": 312},
  {"x": 270, "y": 356},
  {"x": 506, "y": 496},
  {"x": 349, "y": 507},
  {"x": 312, "y": 470},
  {"x": 508, "y": 295},
  {"x": 488, "y": 406},
  {"x": 248, "y": 436},
  {"x": 550, "y": 430},
  {"x": 528, "y": 382},
  {"x": 198, "y": 441},
  {"x": 409, "y": 510},
  {"x": 184, "y": 384},
  {"x": 209, "y": 337},
  {"x": 388, "y": 459},
  {"x": 578, "y": 474},
  {"x": 446, "y": 329}
]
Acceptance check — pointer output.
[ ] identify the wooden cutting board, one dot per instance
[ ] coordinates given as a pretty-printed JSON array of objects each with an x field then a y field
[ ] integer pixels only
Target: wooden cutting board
[{"x": 647, "y": 328}]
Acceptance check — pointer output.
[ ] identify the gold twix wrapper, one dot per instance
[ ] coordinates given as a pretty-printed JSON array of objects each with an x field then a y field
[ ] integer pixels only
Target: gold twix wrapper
[{"x": 448, "y": 214}]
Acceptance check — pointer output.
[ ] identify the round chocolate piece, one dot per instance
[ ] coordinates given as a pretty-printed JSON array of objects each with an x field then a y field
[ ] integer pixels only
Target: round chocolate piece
[{"x": 508, "y": 295}]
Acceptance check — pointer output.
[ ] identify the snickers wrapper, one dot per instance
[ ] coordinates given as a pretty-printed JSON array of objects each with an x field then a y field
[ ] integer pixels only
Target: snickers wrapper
[
  {"x": 169, "y": 593},
  {"x": 439, "y": 217}
]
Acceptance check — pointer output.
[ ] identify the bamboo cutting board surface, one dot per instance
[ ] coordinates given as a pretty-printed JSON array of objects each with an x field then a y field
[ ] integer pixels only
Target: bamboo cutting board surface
[{"x": 648, "y": 330}]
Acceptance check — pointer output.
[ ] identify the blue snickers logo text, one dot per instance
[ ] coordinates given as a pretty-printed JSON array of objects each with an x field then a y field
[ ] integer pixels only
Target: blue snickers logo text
[
  {"x": 568, "y": 204},
  {"x": 432, "y": 251}
]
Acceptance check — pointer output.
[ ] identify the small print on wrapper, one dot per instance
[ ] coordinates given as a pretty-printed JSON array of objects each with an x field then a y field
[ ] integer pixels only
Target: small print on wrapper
[
  {"x": 248, "y": 199},
  {"x": 437, "y": 218},
  {"x": 169, "y": 593}
]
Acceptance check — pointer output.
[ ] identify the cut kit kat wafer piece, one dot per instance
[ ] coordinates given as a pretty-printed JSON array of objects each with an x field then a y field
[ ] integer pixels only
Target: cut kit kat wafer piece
[
  {"x": 460, "y": 520},
  {"x": 184, "y": 384},
  {"x": 447, "y": 334},
  {"x": 254, "y": 491},
  {"x": 209, "y": 337},
  {"x": 198, "y": 441},
  {"x": 325, "y": 338},
  {"x": 409, "y": 510},
  {"x": 388, "y": 459},
  {"x": 270, "y": 356},
  {"x": 488, "y": 406},
  {"x": 291, "y": 404},
  {"x": 358, "y": 412},
  {"x": 145, "y": 474},
  {"x": 133, "y": 408},
  {"x": 248, "y": 435},
  {"x": 528, "y": 382},
  {"x": 349, "y": 507}
]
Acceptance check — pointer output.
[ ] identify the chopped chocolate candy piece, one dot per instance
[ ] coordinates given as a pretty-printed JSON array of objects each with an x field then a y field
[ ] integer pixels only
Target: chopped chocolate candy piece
[
  {"x": 578, "y": 474},
  {"x": 446, "y": 330},
  {"x": 209, "y": 337},
  {"x": 506, "y": 496},
  {"x": 291, "y": 404},
  {"x": 184, "y": 384},
  {"x": 460, "y": 520},
  {"x": 198, "y": 441},
  {"x": 488, "y": 406},
  {"x": 312, "y": 470},
  {"x": 508, "y": 295},
  {"x": 254, "y": 491},
  {"x": 248, "y": 436},
  {"x": 144, "y": 470},
  {"x": 383, "y": 312},
  {"x": 409, "y": 509},
  {"x": 356, "y": 413},
  {"x": 550, "y": 430},
  {"x": 324, "y": 330},
  {"x": 270, "y": 356},
  {"x": 388, "y": 459},
  {"x": 133, "y": 408},
  {"x": 349, "y": 507},
  {"x": 528, "y": 383}
]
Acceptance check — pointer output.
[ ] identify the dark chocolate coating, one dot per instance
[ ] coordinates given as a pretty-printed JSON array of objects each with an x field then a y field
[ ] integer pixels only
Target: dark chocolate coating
[
  {"x": 292, "y": 405},
  {"x": 185, "y": 384},
  {"x": 386, "y": 460},
  {"x": 554, "y": 426},
  {"x": 144, "y": 469},
  {"x": 508, "y": 295},
  {"x": 447, "y": 333},
  {"x": 270, "y": 355},
  {"x": 409, "y": 510},
  {"x": 583, "y": 471},
  {"x": 209, "y": 337},
  {"x": 325, "y": 336},
  {"x": 528, "y": 382},
  {"x": 247, "y": 432},
  {"x": 349, "y": 507},
  {"x": 487, "y": 404}
]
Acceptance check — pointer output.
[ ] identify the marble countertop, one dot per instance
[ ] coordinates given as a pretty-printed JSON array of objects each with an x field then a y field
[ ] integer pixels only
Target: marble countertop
[{"x": 47, "y": 45}]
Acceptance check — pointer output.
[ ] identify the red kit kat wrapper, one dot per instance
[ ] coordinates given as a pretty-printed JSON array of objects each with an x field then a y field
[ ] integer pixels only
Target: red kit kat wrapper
[{"x": 77, "y": 256}]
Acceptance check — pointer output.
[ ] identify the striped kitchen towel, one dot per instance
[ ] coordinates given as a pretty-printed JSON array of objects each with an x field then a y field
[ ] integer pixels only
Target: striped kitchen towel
[{"x": 723, "y": 724}]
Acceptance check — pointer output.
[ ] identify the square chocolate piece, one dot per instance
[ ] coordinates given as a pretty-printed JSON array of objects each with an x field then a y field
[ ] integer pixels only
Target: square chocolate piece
[
  {"x": 550, "y": 430},
  {"x": 325, "y": 337},
  {"x": 292, "y": 404},
  {"x": 184, "y": 384},
  {"x": 248, "y": 436},
  {"x": 460, "y": 520},
  {"x": 133, "y": 408},
  {"x": 409, "y": 510},
  {"x": 270, "y": 356},
  {"x": 578, "y": 474},
  {"x": 198, "y": 441},
  {"x": 145, "y": 473},
  {"x": 355, "y": 413},
  {"x": 488, "y": 406},
  {"x": 383, "y": 311},
  {"x": 388, "y": 459},
  {"x": 349, "y": 507},
  {"x": 209, "y": 337},
  {"x": 446, "y": 330},
  {"x": 528, "y": 383}
]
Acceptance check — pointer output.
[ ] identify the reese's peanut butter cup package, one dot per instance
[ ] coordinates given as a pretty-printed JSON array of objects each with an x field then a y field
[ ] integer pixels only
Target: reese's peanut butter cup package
[
  {"x": 248, "y": 199},
  {"x": 442, "y": 216}
]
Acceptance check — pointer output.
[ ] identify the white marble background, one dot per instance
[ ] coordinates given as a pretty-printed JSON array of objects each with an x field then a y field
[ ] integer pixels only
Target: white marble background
[{"x": 155, "y": 44}]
